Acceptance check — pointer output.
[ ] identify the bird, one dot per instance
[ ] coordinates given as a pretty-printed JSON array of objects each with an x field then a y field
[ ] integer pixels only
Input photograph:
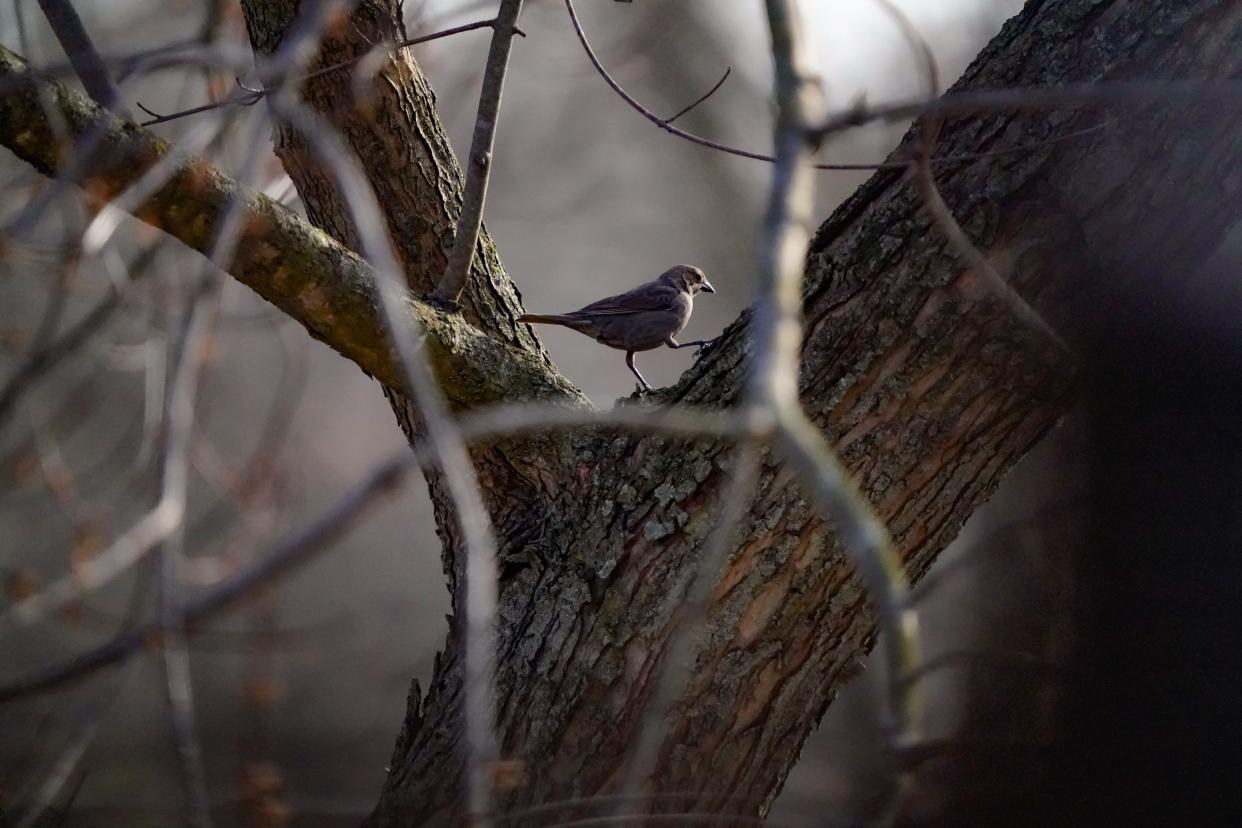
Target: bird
[{"x": 641, "y": 319}]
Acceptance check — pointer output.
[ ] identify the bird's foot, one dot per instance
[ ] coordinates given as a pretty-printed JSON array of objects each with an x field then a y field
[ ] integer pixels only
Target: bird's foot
[
  {"x": 639, "y": 396},
  {"x": 705, "y": 345}
]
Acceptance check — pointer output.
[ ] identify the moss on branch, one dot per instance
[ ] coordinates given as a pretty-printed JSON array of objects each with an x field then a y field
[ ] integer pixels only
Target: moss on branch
[{"x": 298, "y": 268}]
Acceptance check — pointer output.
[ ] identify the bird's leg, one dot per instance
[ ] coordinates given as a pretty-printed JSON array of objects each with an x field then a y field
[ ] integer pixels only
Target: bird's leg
[
  {"x": 698, "y": 344},
  {"x": 629, "y": 360}
]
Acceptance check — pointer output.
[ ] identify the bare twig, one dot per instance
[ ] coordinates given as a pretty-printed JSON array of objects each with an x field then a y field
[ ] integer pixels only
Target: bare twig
[
  {"x": 42, "y": 360},
  {"x": 666, "y": 123},
  {"x": 999, "y": 659},
  {"x": 499, "y": 421},
  {"x": 966, "y": 249},
  {"x": 253, "y": 96},
  {"x": 186, "y": 371},
  {"x": 481, "y": 571},
  {"x": 479, "y": 165},
  {"x": 288, "y": 556},
  {"x": 179, "y": 423},
  {"x": 684, "y": 110},
  {"x": 921, "y": 168},
  {"x": 129, "y": 548},
  {"x": 773, "y": 381},
  {"x": 86, "y": 727}
]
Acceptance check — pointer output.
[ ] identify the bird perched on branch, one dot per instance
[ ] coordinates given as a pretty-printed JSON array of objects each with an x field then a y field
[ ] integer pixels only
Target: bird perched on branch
[{"x": 641, "y": 319}]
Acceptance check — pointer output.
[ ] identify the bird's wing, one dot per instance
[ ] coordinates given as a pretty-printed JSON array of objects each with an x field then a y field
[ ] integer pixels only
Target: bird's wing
[{"x": 648, "y": 297}]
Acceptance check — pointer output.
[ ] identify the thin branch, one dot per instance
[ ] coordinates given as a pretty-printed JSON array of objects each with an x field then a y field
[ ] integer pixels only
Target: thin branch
[
  {"x": 921, "y": 167},
  {"x": 510, "y": 419},
  {"x": 482, "y": 574},
  {"x": 998, "y": 659},
  {"x": 684, "y": 421},
  {"x": 179, "y": 424},
  {"x": 666, "y": 124},
  {"x": 773, "y": 381},
  {"x": 76, "y": 42},
  {"x": 179, "y": 420},
  {"x": 129, "y": 548},
  {"x": 40, "y": 363},
  {"x": 970, "y": 255},
  {"x": 867, "y": 540},
  {"x": 85, "y": 728},
  {"x": 1014, "y": 150},
  {"x": 1038, "y": 99},
  {"x": 663, "y": 123},
  {"x": 478, "y": 170},
  {"x": 253, "y": 96},
  {"x": 468, "y": 362},
  {"x": 728, "y": 70},
  {"x": 287, "y": 557}
]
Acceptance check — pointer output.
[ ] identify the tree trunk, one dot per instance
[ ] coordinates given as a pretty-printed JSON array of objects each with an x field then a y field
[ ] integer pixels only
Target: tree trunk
[{"x": 927, "y": 385}]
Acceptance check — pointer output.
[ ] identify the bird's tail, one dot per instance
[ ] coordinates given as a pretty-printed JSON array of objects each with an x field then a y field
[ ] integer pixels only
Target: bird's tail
[{"x": 546, "y": 319}]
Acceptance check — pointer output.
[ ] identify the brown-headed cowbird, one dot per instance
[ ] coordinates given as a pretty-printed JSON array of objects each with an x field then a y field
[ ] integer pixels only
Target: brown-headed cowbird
[{"x": 641, "y": 319}]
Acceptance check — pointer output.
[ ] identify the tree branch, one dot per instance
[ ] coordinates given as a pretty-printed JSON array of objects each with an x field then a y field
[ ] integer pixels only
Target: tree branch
[
  {"x": 479, "y": 168},
  {"x": 253, "y": 96},
  {"x": 76, "y": 42},
  {"x": 328, "y": 289}
]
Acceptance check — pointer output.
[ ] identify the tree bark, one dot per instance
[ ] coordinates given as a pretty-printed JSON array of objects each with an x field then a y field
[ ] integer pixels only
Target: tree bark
[{"x": 926, "y": 384}]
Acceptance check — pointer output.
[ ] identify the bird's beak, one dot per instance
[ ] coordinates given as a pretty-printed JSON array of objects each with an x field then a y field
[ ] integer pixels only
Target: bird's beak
[{"x": 707, "y": 286}]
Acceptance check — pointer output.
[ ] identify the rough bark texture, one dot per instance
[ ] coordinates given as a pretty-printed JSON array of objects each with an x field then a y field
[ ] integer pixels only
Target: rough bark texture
[
  {"x": 926, "y": 384},
  {"x": 396, "y": 135}
]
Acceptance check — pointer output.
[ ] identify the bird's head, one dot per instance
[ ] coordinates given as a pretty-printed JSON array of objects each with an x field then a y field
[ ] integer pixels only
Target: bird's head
[{"x": 687, "y": 278}]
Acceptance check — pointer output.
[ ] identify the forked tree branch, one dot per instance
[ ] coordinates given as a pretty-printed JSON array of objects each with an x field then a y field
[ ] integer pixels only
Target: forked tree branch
[{"x": 328, "y": 289}]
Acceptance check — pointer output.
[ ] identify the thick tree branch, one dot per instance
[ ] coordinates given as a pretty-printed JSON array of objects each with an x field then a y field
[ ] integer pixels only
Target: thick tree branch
[
  {"x": 328, "y": 289},
  {"x": 926, "y": 386}
]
